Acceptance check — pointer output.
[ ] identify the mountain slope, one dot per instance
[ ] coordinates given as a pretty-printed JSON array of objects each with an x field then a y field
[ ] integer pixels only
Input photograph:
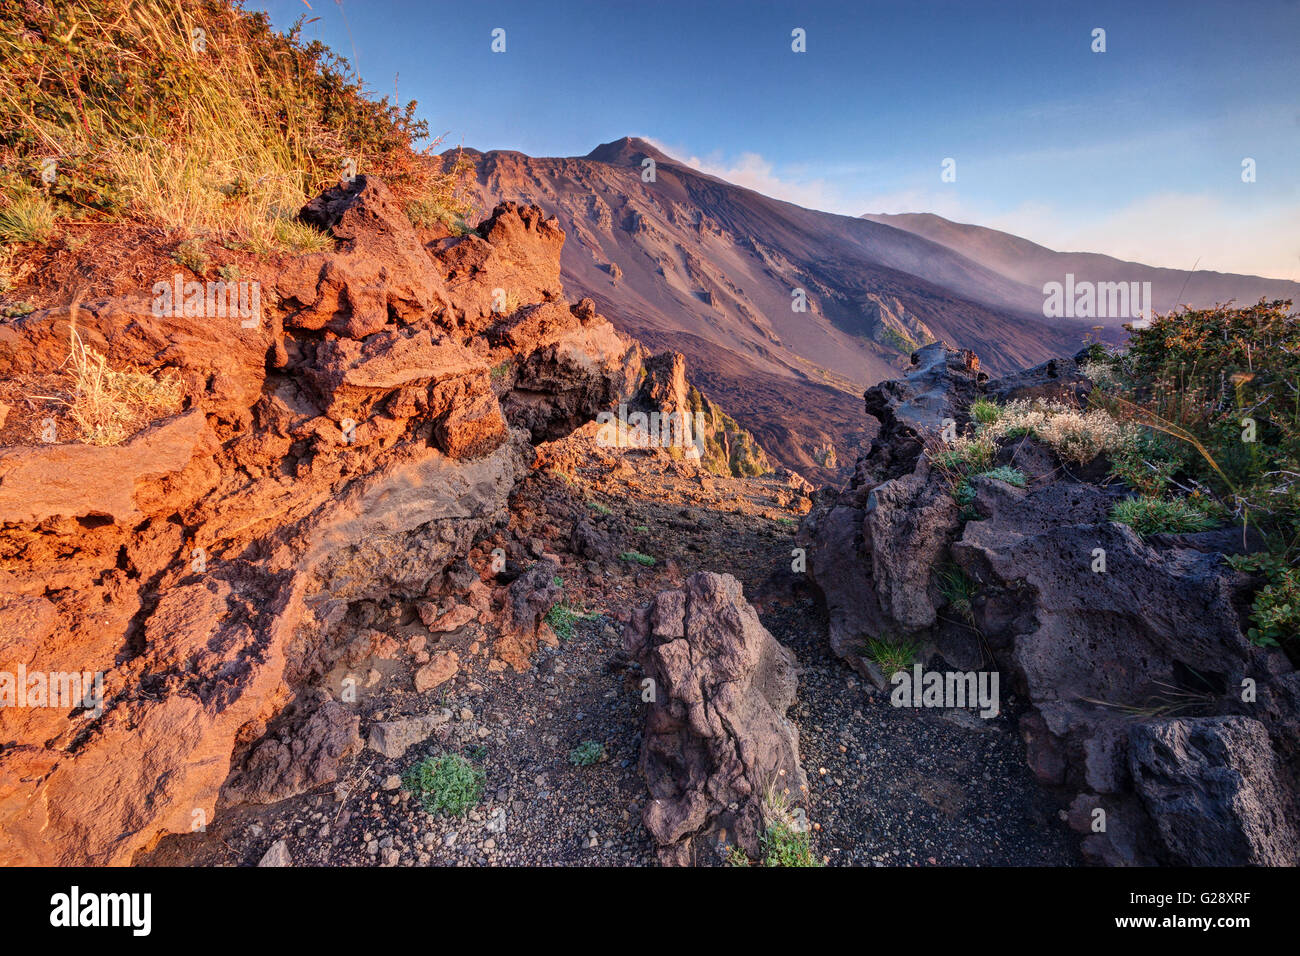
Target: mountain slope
[
  {"x": 694, "y": 263},
  {"x": 1029, "y": 263}
]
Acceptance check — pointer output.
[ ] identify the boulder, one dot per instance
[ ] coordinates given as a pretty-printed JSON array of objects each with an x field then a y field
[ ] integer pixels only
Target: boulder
[
  {"x": 441, "y": 668},
  {"x": 718, "y": 754},
  {"x": 277, "y": 855},
  {"x": 529, "y": 598},
  {"x": 285, "y": 766},
  {"x": 393, "y": 738},
  {"x": 379, "y": 271}
]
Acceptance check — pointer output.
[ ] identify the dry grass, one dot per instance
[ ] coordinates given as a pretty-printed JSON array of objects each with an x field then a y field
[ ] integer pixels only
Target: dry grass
[
  {"x": 1075, "y": 435},
  {"x": 110, "y": 406},
  {"x": 194, "y": 115}
]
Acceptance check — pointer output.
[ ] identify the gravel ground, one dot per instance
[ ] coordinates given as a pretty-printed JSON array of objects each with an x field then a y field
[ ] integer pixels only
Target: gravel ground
[
  {"x": 889, "y": 786},
  {"x": 895, "y": 786}
]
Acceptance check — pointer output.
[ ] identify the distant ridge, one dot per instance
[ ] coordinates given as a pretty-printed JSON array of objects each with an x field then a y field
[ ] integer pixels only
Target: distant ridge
[{"x": 1034, "y": 264}]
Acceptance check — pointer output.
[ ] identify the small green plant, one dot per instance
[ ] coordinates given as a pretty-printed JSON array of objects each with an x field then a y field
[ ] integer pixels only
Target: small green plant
[
  {"x": 19, "y": 309},
  {"x": 1012, "y": 476},
  {"x": 965, "y": 491},
  {"x": 1147, "y": 460},
  {"x": 501, "y": 370},
  {"x": 786, "y": 842},
  {"x": 735, "y": 856},
  {"x": 789, "y": 522},
  {"x": 985, "y": 411},
  {"x": 597, "y": 507},
  {"x": 966, "y": 456},
  {"x": 1164, "y": 515},
  {"x": 958, "y": 591},
  {"x": 587, "y": 753},
  {"x": 642, "y": 559},
  {"x": 1275, "y": 612},
  {"x": 784, "y": 846},
  {"x": 643, "y": 529},
  {"x": 190, "y": 254},
  {"x": 449, "y": 784},
  {"x": 230, "y": 272},
  {"x": 562, "y": 618},
  {"x": 890, "y": 657}
]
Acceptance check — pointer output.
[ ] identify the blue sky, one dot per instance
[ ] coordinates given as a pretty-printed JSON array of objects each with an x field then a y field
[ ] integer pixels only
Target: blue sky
[{"x": 1136, "y": 151}]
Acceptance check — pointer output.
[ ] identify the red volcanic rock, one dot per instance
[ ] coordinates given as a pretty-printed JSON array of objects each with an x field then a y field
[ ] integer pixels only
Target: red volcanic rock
[
  {"x": 512, "y": 260},
  {"x": 441, "y": 668},
  {"x": 379, "y": 272},
  {"x": 206, "y": 568}
]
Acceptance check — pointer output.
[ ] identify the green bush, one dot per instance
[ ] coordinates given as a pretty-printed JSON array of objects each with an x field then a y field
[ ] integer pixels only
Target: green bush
[
  {"x": 1275, "y": 613},
  {"x": 449, "y": 784},
  {"x": 1214, "y": 395}
]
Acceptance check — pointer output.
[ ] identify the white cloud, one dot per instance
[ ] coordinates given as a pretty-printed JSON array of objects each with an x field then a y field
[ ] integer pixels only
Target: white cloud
[{"x": 754, "y": 172}]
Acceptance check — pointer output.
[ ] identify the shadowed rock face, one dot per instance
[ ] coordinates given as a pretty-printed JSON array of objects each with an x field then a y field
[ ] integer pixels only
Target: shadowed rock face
[
  {"x": 1092, "y": 651},
  {"x": 1212, "y": 787},
  {"x": 717, "y": 748},
  {"x": 352, "y": 445}
]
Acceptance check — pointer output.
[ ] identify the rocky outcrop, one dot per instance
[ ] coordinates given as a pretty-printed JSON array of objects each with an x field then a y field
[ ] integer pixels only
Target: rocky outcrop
[
  {"x": 1169, "y": 735},
  {"x": 354, "y": 444},
  {"x": 717, "y": 749},
  {"x": 871, "y": 547},
  {"x": 378, "y": 270}
]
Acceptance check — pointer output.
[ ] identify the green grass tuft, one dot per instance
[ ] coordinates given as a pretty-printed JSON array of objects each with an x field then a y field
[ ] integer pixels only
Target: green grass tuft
[
  {"x": 958, "y": 591},
  {"x": 587, "y": 753},
  {"x": 890, "y": 657},
  {"x": 985, "y": 411},
  {"x": 1163, "y": 515},
  {"x": 26, "y": 217}
]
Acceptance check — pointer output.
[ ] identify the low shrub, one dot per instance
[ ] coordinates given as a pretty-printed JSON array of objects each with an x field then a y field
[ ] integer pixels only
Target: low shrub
[{"x": 448, "y": 784}]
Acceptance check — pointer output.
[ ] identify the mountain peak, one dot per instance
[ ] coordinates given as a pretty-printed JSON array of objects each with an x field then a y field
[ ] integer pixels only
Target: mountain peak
[{"x": 628, "y": 150}]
